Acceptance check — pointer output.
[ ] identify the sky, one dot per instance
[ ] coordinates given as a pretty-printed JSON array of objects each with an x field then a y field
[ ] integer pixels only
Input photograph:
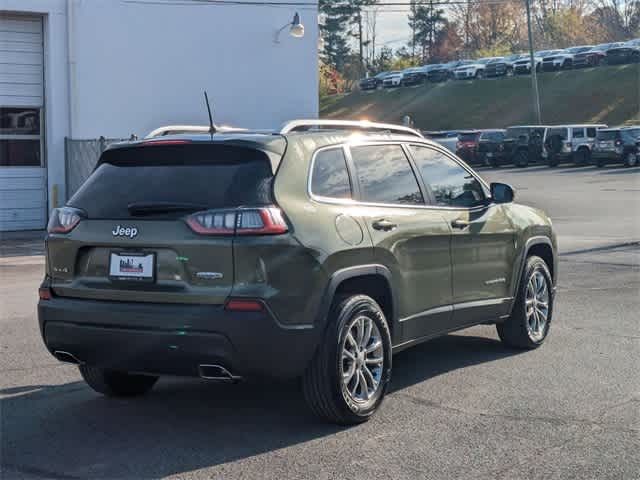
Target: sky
[{"x": 392, "y": 28}]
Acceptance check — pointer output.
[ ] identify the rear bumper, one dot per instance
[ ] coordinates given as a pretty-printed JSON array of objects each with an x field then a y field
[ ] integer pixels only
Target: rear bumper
[
  {"x": 551, "y": 67},
  {"x": 610, "y": 156},
  {"x": 171, "y": 339},
  {"x": 470, "y": 156}
]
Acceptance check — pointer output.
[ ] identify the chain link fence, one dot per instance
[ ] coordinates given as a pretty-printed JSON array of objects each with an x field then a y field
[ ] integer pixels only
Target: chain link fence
[{"x": 81, "y": 157}]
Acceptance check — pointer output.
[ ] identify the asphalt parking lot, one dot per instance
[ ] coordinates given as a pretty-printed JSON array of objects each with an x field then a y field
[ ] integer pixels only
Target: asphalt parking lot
[{"x": 461, "y": 406}]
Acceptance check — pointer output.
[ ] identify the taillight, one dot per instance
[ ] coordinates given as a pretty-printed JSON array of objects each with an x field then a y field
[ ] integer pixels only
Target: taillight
[
  {"x": 243, "y": 221},
  {"x": 44, "y": 293},
  {"x": 242, "y": 305},
  {"x": 64, "y": 219}
]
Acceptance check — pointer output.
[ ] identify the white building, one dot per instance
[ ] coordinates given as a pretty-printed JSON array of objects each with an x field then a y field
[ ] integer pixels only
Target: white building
[{"x": 112, "y": 68}]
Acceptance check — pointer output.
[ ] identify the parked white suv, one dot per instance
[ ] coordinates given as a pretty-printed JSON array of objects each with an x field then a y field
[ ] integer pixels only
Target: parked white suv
[
  {"x": 393, "y": 79},
  {"x": 557, "y": 60},
  {"x": 474, "y": 69},
  {"x": 564, "y": 143}
]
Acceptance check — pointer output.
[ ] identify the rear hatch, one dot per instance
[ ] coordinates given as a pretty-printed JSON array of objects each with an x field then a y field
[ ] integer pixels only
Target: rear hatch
[
  {"x": 607, "y": 140},
  {"x": 620, "y": 54},
  {"x": 156, "y": 223},
  {"x": 490, "y": 142}
]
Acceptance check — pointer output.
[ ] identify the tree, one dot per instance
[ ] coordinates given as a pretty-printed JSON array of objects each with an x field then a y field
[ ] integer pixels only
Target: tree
[
  {"x": 424, "y": 21},
  {"x": 334, "y": 44},
  {"x": 448, "y": 43},
  {"x": 332, "y": 26},
  {"x": 371, "y": 22},
  {"x": 384, "y": 60},
  {"x": 619, "y": 19}
]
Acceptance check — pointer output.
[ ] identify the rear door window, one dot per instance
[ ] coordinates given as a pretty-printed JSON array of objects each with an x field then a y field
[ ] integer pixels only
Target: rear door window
[
  {"x": 330, "y": 177},
  {"x": 385, "y": 175},
  {"x": 557, "y": 132},
  {"x": 591, "y": 132},
  {"x": 205, "y": 175},
  {"x": 577, "y": 132}
]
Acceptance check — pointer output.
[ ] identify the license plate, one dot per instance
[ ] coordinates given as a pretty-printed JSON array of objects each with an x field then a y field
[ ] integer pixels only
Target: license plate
[{"x": 132, "y": 266}]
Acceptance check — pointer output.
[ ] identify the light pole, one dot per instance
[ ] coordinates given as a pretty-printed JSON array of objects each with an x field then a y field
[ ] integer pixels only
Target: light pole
[{"x": 534, "y": 76}]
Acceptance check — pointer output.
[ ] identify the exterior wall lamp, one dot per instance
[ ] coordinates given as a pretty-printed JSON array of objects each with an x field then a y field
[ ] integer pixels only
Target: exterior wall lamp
[{"x": 296, "y": 29}]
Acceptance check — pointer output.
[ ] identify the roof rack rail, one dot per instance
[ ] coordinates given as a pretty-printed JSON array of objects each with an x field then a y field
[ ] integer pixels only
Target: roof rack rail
[
  {"x": 304, "y": 125},
  {"x": 178, "y": 129}
]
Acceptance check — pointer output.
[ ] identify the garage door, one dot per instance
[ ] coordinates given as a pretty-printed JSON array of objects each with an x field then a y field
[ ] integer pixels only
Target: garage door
[{"x": 23, "y": 192}]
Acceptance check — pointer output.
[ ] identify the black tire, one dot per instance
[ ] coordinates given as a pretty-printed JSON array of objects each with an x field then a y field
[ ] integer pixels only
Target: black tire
[
  {"x": 514, "y": 331},
  {"x": 494, "y": 162},
  {"x": 582, "y": 157},
  {"x": 322, "y": 381},
  {"x": 115, "y": 383},
  {"x": 521, "y": 159},
  {"x": 600, "y": 162},
  {"x": 553, "y": 160},
  {"x": 631, "y": 159}
]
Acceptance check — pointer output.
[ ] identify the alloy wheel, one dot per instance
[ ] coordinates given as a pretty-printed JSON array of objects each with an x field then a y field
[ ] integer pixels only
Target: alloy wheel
[
  {"x": 362, "y": 359},
  {"x": 537, "y": 306}
]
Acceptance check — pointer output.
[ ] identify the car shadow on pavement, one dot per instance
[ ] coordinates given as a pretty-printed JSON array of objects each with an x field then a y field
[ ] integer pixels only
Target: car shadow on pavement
[
  {"x": 619, "y": 169},
  {"x": 68, "y": 431}
]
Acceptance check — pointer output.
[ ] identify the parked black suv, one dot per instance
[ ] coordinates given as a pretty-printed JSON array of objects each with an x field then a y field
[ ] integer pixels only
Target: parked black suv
[
  {"x": 307, "y": 253},
  {"x": 623, "y": 54},
  {"x": 617, "y": 145},
  {"x": 491, "y": 147},
  {"x": 520, "y": 145}
]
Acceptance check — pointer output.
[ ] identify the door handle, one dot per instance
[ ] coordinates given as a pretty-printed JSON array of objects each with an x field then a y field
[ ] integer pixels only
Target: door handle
[
  {"x": 384, "y": 225},
  {"x": 459, "y": 223}
]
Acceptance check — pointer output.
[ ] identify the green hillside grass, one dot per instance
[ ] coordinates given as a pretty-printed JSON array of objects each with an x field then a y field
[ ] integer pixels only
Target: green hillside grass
[{"x": 608, "y": 95}]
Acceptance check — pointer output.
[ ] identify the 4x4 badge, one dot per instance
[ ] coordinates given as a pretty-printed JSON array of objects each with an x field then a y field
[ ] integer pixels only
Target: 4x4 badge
[{"x": 121, "y": 231}]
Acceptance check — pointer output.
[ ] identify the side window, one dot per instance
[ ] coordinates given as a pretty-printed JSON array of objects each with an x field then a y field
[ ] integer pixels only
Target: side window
[
  {"x": 385, "y": 175},
  {"x": 578, "y": 132},
  {"x": 330, "y": 177},
  {"x": 591, "y": 132},
  {"x": 452, "y": 185}
]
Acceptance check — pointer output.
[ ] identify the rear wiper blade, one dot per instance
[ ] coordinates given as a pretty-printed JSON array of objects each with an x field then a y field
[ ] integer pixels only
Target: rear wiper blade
[{"x": 149, "y": 208}]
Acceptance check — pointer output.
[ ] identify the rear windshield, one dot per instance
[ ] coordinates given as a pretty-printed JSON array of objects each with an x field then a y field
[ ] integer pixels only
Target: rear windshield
[
  {"x": 492, "y": 136},
  {"x": 608, "y": 135},
  {"x": 516, "y": 132},
  {"x": 211, "y": 176},
  {"x": 468, "y": 137}
]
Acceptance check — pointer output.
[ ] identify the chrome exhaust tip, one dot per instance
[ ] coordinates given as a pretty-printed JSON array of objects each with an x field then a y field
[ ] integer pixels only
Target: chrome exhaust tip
[
  {"x": 67, "y": 357},
  {"x": 217, "y": 373}
]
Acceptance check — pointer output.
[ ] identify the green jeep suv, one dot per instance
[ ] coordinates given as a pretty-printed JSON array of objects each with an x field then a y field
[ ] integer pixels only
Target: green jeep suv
[{"x": 316, "y": 252}]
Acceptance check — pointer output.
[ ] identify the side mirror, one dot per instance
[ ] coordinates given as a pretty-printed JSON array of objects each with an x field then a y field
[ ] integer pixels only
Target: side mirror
[{"x": 502, "y": 193}]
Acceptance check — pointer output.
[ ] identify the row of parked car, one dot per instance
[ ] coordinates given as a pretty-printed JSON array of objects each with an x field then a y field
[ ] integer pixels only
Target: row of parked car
[
  {"x": 517, "y": 64},
  {"x": 526, "y": 144}
]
